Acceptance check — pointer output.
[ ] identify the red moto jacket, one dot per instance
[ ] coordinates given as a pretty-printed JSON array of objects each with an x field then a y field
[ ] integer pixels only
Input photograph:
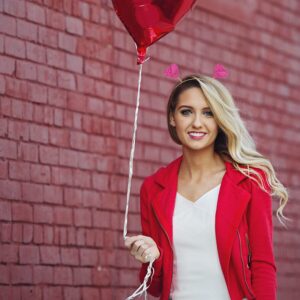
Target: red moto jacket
[{"x": 243, "y": 227}]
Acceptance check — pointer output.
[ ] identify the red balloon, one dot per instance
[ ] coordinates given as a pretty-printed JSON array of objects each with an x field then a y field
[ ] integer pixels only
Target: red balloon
[{"x": 149, "y": 20}]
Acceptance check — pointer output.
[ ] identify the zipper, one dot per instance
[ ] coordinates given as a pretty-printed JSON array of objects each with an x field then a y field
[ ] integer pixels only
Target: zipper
[
  {"x": 250, "y": 292},
  {"x": 249, "y": 251},
  {"x": 166, "y": 236}
]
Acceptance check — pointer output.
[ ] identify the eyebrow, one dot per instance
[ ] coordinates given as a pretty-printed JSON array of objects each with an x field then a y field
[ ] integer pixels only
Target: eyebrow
[{"x": 192, "y": 107}]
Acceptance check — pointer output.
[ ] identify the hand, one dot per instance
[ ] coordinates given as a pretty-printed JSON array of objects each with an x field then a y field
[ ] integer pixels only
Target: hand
[{"x": 142, "y": 247}]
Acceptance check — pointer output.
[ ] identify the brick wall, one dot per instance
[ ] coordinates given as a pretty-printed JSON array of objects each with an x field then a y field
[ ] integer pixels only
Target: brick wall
[{"x": 68, "y": 80}]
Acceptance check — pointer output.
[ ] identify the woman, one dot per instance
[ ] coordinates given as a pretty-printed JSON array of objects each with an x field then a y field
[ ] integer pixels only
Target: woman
[{"x": 207, "y": 216}]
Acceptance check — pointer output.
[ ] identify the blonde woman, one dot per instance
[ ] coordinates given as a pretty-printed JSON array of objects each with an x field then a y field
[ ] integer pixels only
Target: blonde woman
[{"x": 207, "y": 216}]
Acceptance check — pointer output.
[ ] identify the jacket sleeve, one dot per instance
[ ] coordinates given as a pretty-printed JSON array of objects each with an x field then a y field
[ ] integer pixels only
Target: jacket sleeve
[
  {"x": 260, "y": 226},
  {"x": 155, "y": 287}
]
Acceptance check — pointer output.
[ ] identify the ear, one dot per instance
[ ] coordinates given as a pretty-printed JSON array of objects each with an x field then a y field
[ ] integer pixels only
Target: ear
[{"x": 172, "y": 121}]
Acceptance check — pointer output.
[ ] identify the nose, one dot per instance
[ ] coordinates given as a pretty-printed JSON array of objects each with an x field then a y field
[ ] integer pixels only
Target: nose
[{"x": 197, "y": 122}]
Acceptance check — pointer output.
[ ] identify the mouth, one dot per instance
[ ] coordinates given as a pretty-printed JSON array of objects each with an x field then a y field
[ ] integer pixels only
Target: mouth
[{"x": 196, "y": 135}]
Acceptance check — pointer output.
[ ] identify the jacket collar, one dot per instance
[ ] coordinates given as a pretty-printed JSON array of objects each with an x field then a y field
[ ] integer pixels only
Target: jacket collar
[
  {"x": 232, "y": 202},
  {"x": 163, "y": 178}
]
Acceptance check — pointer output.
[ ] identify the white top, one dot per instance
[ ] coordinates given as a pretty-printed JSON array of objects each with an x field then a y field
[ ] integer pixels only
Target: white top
[{"x": 197, "y": 271}]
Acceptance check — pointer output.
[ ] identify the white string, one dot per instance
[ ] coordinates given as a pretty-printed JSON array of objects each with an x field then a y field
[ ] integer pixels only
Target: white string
[{"x": 150, "y": 270}]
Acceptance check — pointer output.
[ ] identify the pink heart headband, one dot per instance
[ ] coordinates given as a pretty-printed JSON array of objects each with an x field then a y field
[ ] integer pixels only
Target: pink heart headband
[{"x": 173, "y": 72}]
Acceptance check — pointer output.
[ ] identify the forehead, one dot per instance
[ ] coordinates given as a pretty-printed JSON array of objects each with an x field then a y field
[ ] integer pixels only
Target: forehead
[{"x": 192, "y": 97}]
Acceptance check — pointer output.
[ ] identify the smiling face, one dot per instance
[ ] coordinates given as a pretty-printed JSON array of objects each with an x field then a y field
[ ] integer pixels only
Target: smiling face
[{"x": 193, "y": 120}]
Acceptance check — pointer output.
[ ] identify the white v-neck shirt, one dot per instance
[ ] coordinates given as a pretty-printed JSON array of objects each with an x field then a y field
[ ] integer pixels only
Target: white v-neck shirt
[{"x": 197, "y": 272}]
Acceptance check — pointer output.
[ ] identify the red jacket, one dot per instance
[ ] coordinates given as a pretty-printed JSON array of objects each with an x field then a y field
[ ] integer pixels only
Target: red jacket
[{"x": 243, "y": 232}]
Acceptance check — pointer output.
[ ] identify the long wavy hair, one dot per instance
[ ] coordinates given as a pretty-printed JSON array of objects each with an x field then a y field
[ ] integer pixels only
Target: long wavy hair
[{"x": 233, "y": 141}]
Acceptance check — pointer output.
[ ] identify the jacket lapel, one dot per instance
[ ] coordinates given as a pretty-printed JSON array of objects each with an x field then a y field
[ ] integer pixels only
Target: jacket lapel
[{"x": 232, "y": 202}]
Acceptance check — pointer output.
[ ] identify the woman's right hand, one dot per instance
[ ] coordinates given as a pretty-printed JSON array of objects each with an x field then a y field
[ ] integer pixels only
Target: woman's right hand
[{"x": 142, "y": 247}]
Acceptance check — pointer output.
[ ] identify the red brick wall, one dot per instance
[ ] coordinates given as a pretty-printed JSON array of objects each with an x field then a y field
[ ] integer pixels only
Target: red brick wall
[{"x": 68, "y": 82}]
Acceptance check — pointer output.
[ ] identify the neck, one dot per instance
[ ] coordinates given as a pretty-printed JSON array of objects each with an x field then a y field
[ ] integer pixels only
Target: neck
[{"x": 196, "y": 165}]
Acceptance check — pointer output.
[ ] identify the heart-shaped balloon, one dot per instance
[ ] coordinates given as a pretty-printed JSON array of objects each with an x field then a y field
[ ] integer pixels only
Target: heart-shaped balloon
[{"x": 149, "y": 20}]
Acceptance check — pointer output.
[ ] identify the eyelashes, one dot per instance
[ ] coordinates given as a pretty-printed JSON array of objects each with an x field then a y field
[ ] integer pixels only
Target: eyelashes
[{"x": 183, "y": 112}]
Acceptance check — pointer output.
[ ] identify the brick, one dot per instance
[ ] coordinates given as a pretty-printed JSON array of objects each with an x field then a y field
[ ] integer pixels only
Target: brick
[
  {"x": 86, "y": 161},
  {"x": 5, "y": 211},
  {"x": 56, "y": 58},
  {"x": 91, "y": 199},
  {"x": 66, "y": 80},
  {"x": 3, "y": 167},
  {"x": 62, "y": 176},
  {"x": 50, "y": 255},
  {"x": 35, "y": 13},
  {"x": 50, "y": 293},
  {"x": 53, "y": 194},
  {"x": 43, "y": 214},
  {"x": 18, "y": 130},
  {"x": 79, "y": 140},
  {"x": 35, "y": 52},
  {"x": 82, "y": 178},
  {"x": 82, "y": 217},
  {"x": 63, "y": 276},
  {"x": 17, "y": 233},
  {"x": 72, "y": 197},
  {"x": 7, "y": 65},
  {"x": 47, "y": 75},
  {"x": 16, "y": 88},
  {"x": 49, "y": 235},
  {"x": 9, "y": 253},
  {"x": 37, "y": 93},
  {"x": 57, "y": 97},
  {"x": 67, "y": 42},
  {"x": 21, "y": 274},
  {"x": 48, "y": 155},
  {"x": 82, "y": 276},
  {"x": 48, "y": 37},
  {"x": 95, "y": 106},
  {"x": 2, "y": 85},
  {"x": 71, "y": 293},
  {"x": 74, "y": 25},
  {"x": 38, "y": 133},
  {"x": 14, "y": 8},
  {"x": 29, "y": 254},
  {"x": 27, "y": 233},
  {"x": 19, "y": 170},
  {"x": 90, "y": 293},
  {"x": 63, "y": 215},
  {"x": 68, "y": 157},
  {"x": 70, "y": 256},
  {"x": 101, "y": 219},
  {"x": 85, "y": 85},
  {"x": 8, "y": 25},
  {"x": 28, "y": 152},
  {"x": 74, "y": 63},
  {"x": 40, "y": 173},
  {"x": 38, "y": 234},
  {"x": 100, "y": 182},
  {"x": 27, "y": 30},
  {"x": 14, "y": 47},
  {"x": 26, "y": 70},
  {"x": 22, "y": 212},
  {"x": 55, "y": 19},
  {"x": 43, "y": 274},
  {"x": 97, "y": 69},
  {"x": 88, "y": 257},
  {"x": 4, "y": 274}
]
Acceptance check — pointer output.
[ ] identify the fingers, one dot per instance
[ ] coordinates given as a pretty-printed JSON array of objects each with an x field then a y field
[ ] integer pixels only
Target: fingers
[{"x": 139, "y": 247}]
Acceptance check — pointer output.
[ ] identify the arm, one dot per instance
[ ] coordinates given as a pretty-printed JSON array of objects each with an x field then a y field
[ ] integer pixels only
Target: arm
[
  {"x": 261, "y": 242},
  {"x": 156, "y": 283}
]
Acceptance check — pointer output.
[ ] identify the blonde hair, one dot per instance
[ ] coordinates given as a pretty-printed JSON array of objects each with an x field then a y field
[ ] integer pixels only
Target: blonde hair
[{"x": 233, "y": 141}]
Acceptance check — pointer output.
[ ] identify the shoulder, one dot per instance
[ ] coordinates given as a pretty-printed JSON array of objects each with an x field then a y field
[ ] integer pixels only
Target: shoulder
[{"x": 261, "y": 179}]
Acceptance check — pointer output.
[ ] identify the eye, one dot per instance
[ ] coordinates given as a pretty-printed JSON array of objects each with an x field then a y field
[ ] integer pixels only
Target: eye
[
  {"x": 209, "y": 113},
  {"x": 183, "y": 112}
]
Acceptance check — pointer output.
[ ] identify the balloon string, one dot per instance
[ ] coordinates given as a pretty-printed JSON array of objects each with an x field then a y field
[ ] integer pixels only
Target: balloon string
[{"x": 150, "y": 270}]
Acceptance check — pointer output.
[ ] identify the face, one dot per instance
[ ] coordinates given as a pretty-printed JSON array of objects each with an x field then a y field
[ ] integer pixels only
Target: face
[{"x": 194, "y": 121}]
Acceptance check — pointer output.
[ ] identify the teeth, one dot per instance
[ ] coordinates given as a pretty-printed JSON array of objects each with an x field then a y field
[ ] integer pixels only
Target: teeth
[{"x": 196, "y": 134}]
